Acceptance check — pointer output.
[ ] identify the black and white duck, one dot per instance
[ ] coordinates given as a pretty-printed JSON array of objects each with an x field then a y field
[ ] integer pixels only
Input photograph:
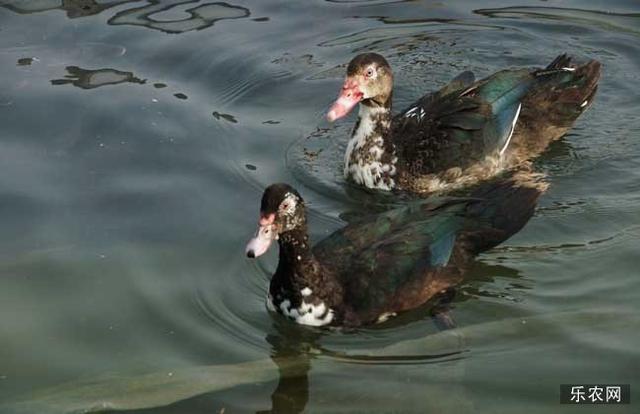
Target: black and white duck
[
  {"x": 466, "y": 132},
  {"x": 383, "y": 263}
]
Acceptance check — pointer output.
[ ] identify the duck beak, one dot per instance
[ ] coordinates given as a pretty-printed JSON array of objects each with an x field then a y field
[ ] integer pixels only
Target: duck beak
[
  {"x": 350, "y": 95},
  {"x": 265, "y": 235}
]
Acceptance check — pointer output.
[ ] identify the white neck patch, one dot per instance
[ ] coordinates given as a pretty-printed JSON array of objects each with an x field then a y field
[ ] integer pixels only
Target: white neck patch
[
  {"x": 363, "y": 157},
  {"x": 307, "y": 314}
]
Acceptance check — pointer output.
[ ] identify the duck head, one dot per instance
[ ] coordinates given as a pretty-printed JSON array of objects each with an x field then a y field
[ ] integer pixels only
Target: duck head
[
  {"x": 281, "y": 211},
  {"x": 369, "y": 80}
]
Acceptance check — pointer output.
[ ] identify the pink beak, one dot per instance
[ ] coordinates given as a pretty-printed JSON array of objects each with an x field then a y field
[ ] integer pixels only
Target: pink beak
[
  {"x": 261, "y": 242},
  {"x": 266, "y": 219},
  {"x": 265, "y": 235},
  {"x": 350, "y": 95}
]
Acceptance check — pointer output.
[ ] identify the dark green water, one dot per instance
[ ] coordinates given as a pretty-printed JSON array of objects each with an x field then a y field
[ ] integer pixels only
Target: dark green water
[{"x": 137, "y": 136}]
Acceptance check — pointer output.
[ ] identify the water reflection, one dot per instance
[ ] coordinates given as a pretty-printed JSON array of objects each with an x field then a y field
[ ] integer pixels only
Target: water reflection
[
  {"x": 167, "y": 18},
  {"x": 227, "y": 117},
  {"x": 496, "y": 281},
  {"x": 26, "y": 61},
  {"x": 73, "y": 8},
  {"x": 90, "y": 79},
  {"x": 164, "y": 15}
]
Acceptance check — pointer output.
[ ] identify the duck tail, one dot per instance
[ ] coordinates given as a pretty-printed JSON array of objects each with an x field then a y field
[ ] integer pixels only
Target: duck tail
[
  {"x": 564, "y": 90},
  {"x": 504, "y": 206}
]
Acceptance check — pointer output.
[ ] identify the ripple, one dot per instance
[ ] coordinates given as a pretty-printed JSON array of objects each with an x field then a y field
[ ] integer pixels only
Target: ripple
[
  {"x": 226, "y": 318},
  {"x": 242, "y": 85},
  {"x": 368, "y": 2},
  {"x": 405, "y": 35},
  {"x": 620, "y": 238},
  {"x": 316, "y": 159},
  {"x": 610, "y": 21}
]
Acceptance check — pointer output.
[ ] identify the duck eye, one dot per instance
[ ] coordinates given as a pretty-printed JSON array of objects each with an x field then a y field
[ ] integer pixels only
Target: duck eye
[
  {"x": 369, "y": 73},
  {"x": 285, "y": 206}
]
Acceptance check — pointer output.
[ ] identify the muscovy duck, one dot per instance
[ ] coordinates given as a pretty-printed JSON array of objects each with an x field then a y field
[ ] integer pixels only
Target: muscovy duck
[
  {"x": 465, "y": 132},
  {"x": 384, "y": 263}
]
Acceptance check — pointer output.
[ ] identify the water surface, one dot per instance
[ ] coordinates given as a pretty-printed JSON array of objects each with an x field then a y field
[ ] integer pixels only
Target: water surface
[{"x": 137, "y": 137}]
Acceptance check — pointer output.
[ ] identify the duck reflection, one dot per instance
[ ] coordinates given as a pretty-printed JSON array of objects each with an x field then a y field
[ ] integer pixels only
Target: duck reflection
[
  {"x": 293, "y": 348},
  {"x": 481, "y": 283},
  {"x": 91, "y": 79}
]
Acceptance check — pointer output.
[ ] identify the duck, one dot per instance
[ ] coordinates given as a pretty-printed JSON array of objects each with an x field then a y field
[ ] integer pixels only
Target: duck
[
  {"x": 466, "y": 132},
  {"x": 385, "y": 263}
]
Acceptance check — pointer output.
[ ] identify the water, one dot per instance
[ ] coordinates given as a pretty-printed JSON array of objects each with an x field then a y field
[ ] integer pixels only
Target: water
[{"x": 137, "y": 137}]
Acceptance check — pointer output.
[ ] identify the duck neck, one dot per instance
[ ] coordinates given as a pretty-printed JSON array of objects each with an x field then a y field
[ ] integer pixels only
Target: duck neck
[
  {"x": 297, "y": 267},
  {"x": 301, "y": 288},
  {"x": 370, "y": 157},
  {"x": 295, "y": 252}
]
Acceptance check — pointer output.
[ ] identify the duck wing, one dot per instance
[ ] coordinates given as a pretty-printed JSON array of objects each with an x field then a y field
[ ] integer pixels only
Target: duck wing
[
  {"x": 361, "y": 232},
  {"x": 386, "y": 261},
  {"x": 461, "y": 124},
  {"x": 563, "y": 91}
]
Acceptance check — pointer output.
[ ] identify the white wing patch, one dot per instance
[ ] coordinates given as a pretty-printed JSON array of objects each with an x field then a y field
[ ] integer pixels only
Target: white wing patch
[
  {"x": 415, "y": 112},
  {"x": 513, "y": 128},
  {"x": 385, "y": 317}
]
